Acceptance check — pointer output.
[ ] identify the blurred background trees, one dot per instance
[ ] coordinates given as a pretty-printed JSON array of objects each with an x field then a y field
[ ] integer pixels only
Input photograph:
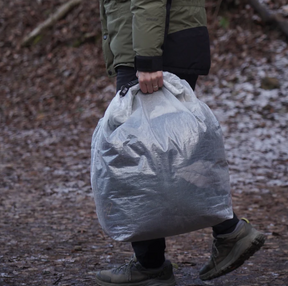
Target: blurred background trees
[{"x": 61, "y": 69}]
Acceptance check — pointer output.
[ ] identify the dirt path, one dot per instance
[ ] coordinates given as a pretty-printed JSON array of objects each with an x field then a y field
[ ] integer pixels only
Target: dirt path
[{"x": 50, "y": 234}]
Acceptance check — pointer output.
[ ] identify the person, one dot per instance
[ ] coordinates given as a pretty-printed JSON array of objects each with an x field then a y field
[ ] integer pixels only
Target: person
[{"x": 141, "y": 39}]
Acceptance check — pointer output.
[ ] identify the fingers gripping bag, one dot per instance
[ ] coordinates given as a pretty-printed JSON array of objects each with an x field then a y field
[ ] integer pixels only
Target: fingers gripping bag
[{"x": 158, "y": 165}]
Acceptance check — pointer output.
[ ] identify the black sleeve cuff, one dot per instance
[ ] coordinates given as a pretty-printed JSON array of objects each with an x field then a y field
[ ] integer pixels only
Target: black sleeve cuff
[{"x": 148, "y": 64}]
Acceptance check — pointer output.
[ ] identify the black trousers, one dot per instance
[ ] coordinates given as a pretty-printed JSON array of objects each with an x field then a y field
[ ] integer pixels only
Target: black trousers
[{"x": 151, "y": 253}]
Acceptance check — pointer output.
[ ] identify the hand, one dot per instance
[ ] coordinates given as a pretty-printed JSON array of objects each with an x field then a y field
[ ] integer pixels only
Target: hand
[{"x": 150, "y": 81}]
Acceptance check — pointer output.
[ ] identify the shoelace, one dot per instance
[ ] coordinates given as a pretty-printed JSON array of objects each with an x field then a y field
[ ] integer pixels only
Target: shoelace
[
  {"x": 215, "y": 253},
  {"x": 126, "y": 268}
]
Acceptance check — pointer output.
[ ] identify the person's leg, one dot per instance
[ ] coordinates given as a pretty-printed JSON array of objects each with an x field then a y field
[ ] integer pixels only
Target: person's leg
[
  {"x": 235, "y": 240},
  {"x": 150, "y": 253},
  {"x": 226, "y": 226},
  {"x": 149, "y": 266}
]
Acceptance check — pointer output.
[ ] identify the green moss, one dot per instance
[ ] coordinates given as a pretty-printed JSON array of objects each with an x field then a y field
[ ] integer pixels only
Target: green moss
[
  {"x": 37, "y": 39},
  {"x": 224, "y": 22}
]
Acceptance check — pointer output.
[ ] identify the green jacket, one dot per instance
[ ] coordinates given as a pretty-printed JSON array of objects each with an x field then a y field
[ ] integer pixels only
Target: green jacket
[{"x": 134, "y": 33}]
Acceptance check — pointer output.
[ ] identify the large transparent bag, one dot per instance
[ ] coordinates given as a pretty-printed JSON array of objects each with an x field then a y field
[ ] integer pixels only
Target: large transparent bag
[{"x": 158, "y": 164}]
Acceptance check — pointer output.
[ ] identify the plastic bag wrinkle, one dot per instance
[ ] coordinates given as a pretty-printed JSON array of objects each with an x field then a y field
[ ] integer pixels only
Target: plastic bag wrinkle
[{"x": 158, "y": 165}]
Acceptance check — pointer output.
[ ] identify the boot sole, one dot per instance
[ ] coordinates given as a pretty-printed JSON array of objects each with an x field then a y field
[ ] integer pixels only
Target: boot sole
[
  {"x": 151, "y": 282},
  {"x": 238, "y": 255}
]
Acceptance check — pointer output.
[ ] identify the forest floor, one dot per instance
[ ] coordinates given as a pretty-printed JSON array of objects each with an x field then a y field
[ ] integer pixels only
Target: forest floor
[{"x": 52, "y": 96}]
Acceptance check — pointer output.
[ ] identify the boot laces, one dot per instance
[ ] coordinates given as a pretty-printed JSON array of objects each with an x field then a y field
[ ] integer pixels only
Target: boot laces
[
  {"x": 215, "y": 253},
  {"x": 126, "y": 268}
]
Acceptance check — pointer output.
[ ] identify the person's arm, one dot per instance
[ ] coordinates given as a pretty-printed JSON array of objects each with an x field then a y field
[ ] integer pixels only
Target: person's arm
[
  {"x": 148, "y": 30},
  {"x": 108, "y": 55}
]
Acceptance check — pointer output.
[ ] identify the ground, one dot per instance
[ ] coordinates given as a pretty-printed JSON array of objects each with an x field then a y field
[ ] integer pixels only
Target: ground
[{"x": 52, "y": 96}]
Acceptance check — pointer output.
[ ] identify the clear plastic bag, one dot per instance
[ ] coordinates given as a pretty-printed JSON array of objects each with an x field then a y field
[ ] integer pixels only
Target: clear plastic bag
[{"x": 158, "y": 165}]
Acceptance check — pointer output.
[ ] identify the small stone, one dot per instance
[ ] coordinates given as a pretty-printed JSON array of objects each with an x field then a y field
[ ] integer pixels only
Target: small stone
[
  {"x": 77, "y": 248},
  {"x": 269, "y": 83},
  {"x": 46, "y": 271}
]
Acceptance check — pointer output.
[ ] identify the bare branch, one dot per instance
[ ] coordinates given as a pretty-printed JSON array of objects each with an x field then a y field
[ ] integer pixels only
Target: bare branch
[
  {"x": 60, "y": 13},
  {"x": 270, "y": 17}
]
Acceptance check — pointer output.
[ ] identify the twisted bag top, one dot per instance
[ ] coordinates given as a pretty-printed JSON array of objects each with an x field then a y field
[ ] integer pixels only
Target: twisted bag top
[{"x": 158, "y": 164}]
